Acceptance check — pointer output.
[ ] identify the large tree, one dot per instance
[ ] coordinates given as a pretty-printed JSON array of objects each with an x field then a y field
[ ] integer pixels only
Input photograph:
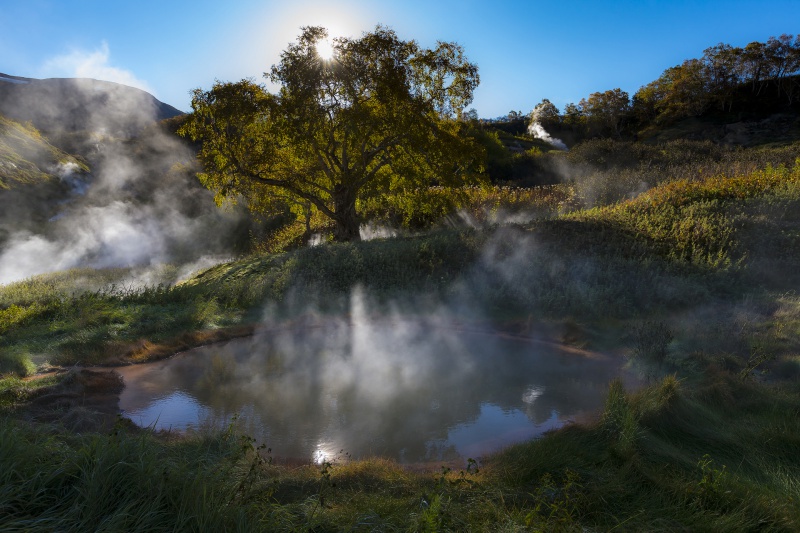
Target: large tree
[{"x": 380, "y": 115}]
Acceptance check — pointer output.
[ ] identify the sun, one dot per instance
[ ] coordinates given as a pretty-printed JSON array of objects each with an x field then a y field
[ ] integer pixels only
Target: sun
[{"x": 325, "y": 49}]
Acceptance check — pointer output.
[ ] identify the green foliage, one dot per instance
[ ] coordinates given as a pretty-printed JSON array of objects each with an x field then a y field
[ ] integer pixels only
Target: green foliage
[
  {"x": 761, "y": 77},
  {"x": 557, "y": 505},
  {"x": 378, "y": 117},
  {"x": 674, "y": 246},
  {"x": 712, "y": 482},
  {"x": 70, "y": 323},
  {"x": 546, "y": 114},
  {"x": 605, "y": 112},
  {"x": 14, "y": 390},
  {"x": 696, "y": 85},
  {"x": 47, "y": 288},
  {"x": 206, "y": 312},
  {"x": 15, "y": 315},
  {"x": 572, "y": 479},
  {"x": 605, "y": 171},
  {"x": 636, "y": 468},
  {"x": 499, "y": 165},
  {"x": 121, "y": 482},
  {"x": 420, "y": 209},
  {"x": 716, "y": 225},
  {"x": 16, "y": 363},
  {"x": 425, "y": 208},
  {"x": 693, "y": 220},
  {"x": 660, "y": 480},
  {"x": 679, "y": 92},
  {"x": 651, "y": 345},
  {"x": 599, "y": 172},
  {"x": 619, "y": 420}
]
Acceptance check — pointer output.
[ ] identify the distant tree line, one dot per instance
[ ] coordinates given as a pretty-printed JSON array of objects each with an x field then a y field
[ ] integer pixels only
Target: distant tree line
[{"x": 722, "y": 78}]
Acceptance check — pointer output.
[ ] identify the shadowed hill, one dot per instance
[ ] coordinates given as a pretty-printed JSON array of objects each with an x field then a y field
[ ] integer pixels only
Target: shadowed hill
[
  {"x": 80, "y": 104},
  {"x": 87, "y": 169}
]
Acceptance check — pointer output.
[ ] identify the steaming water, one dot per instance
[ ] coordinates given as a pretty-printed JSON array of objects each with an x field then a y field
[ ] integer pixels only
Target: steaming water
[{"x": 407, "y": 390}]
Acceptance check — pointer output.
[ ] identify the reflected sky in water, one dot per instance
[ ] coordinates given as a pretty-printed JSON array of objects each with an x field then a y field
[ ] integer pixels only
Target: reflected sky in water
[{"x": 409, "y": 389}]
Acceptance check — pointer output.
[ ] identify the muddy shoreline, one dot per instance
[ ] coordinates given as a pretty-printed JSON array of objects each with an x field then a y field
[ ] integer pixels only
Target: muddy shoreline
[{"x": 84, "y": 400}]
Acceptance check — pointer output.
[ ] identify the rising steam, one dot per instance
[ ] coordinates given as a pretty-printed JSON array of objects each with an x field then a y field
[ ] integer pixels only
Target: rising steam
[
  {"x": 372, "y": 381},
  {"x": 140, "y": 204},
  {"x": 93, "y": 64},
  {"x": 536, "y": 130}
]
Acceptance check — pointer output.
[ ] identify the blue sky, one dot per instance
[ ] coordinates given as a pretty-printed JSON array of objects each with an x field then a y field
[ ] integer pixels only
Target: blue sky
[{"x": 525, "y": 50}]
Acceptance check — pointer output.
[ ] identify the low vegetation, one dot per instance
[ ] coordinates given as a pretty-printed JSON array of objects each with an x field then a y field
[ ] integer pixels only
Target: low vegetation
[
  {"x": 718, "y": 453},
  {"x": 26, "y": 157},
  {"x": 694, "y": 279}
]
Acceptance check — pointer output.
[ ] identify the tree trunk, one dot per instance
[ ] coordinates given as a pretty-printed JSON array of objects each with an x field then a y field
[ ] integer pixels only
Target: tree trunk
[{"x": 347, "y": 223}]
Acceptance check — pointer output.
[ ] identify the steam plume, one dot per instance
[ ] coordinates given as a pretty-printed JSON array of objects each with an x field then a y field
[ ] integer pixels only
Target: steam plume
[
  {"x": 139, "y": 206},
  {"x": 536, "y": 130}
]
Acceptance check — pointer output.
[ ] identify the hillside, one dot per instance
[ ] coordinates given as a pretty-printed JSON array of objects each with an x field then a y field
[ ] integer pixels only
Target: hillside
[
  {"x": 27, "y": 157},
  {"x": 77, "y": 104},
  {"x": 35, "y": 178},
  {"x": 740, "y": 129},
  {"x": 91, "y": 174}
]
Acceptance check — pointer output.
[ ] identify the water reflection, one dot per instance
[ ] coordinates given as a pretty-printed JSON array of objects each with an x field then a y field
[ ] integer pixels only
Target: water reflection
[{"x": 411, "y": 390}]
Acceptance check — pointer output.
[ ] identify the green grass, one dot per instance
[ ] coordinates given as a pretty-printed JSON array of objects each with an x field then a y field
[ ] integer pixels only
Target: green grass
[
  {"x": 715, "y": 455},
  {"x": 414, "y": 211},
  {"x": 45, "y": 288},
  {"x": 675, "y": 247},
  {"x": 120, "y": 482},
  {"x": 15, "y": 390},
  {"x": 88, "y": 316},
  {"x": 695, "y": 279}
]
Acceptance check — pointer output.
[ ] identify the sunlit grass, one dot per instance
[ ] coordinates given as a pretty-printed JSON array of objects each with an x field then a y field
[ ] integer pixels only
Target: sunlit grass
[
  {"x": 706, "y": 445},
  {"x": 26, "y": 156},
  {"x": 15, "y": 390},
  {"x": 676, "y": 246},
  {"x": 718, "y": 454}
]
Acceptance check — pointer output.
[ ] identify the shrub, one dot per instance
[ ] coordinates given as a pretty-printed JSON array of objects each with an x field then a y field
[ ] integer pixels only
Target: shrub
[
  {"x": 652, "y": 340},
  {"x": 16, "y": 363},
  {"x": 619, "y": 420}
]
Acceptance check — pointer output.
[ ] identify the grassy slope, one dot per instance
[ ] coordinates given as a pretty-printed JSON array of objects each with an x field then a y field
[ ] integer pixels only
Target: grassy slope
[
  {"x": 30, "y": 190},
  {"x": 712, "y": 451},
  {"x": 675, "y": 247},
  {"x": 26, "y": 157}
]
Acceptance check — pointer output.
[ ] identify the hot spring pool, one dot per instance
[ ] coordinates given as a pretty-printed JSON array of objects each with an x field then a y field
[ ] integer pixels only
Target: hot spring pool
[{"x": 408, "y": 390}]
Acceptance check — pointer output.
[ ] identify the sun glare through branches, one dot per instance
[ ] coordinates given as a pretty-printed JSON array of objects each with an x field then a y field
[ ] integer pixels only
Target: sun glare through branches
[{"x": 325, "y": 49}]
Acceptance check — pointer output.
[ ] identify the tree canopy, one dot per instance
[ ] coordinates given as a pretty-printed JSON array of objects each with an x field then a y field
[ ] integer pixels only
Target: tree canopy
[
  {"x": 605, "y": 111},
  {"x": 545, "y": 113},
  {"x": 726, "y": 80},
  {"x": 696, "y": 85},
  {"x": 381, "y": 115}
]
